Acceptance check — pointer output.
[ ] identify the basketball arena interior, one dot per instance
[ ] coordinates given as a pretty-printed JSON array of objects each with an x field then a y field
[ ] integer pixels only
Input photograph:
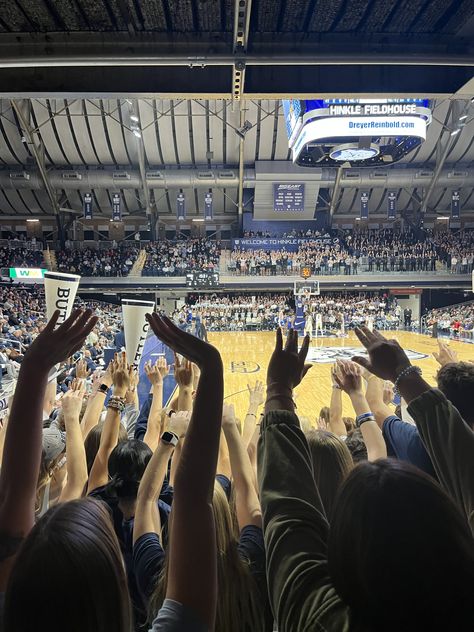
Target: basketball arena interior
[{"x": 239, "y": 168}]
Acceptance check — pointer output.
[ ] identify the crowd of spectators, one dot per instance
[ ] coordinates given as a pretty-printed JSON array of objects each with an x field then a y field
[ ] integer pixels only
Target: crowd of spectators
[
  {"x": 20, "y": 257},
  {"x": 179, "y": 517},
  {"x": 112, "y": 262},
  {"x": 265, "y": 312},
  {"x": 175, "y": 258},
  {"x": 456, "y": 321},
  {"x": 355, "y": 252}
]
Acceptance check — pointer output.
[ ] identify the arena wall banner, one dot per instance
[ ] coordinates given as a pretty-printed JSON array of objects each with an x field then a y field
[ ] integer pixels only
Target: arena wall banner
[
  {"x": 291, "y": 244},
  {"x": 60, "y": 291},
  {"x": 135, "y": 327}
]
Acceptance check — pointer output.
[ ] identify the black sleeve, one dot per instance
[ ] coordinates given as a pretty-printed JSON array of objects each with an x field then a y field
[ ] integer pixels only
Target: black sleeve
[{"x": 148, "y": 560}]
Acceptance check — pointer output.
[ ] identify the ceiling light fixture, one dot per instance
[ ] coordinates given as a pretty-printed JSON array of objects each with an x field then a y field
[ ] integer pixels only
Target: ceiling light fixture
[
  {"x": 455, "y": 131},
  {"x": 134, "y": 118}
]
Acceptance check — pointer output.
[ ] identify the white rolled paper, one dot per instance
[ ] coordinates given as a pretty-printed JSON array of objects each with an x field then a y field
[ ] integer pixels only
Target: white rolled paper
[
  {"x": 135, "y": 327},
  {"x": 60, "y": 291}
]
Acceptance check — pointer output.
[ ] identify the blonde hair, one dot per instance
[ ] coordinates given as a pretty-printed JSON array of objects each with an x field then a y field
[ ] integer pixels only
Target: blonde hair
[
  {"x": 238, "y": 603},
  {"x": 332, "y": 462}
]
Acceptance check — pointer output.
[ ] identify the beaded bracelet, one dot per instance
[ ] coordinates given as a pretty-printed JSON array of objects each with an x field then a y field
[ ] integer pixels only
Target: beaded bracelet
[
  {"x": 116, "y": 403},
  {"x": 403, "y": 374}
]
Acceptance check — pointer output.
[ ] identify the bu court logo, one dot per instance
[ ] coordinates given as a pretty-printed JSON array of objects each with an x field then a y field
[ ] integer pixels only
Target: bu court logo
[{"x": 244, "y": 367}]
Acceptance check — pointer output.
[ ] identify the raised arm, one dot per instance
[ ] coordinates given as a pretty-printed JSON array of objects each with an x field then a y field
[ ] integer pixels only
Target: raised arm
[
  {"x": 192, "y": 579},
  {"x": 256, "y": 399},
  {"x": 147, "y": 515},
  {"x": 156, "y": 374},
  {"x": 246, "y": 498},
  {"x": 348, "y": 376},
  {"x": 336, "y": 425},
  {"x": 110, "y": 432},
  {"x": 23, "y": 441},
  {"x": 183, "y": 373},
  {"x": 448, "y": 439},
  {"x": 76, "y": 463},
  {"x": 101, "y": 382},
  {"x": 295, "y": 526}
]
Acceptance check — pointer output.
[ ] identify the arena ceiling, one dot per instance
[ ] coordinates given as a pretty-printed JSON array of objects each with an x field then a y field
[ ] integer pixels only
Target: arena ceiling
[{"x": 74, "y": 72}]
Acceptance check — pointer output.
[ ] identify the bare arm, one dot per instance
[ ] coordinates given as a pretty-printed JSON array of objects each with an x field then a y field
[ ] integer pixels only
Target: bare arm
[
  {"x": 96, "y": 401},
  {"x": 336, "y": 425},
  {"x": 192, "y": 578},
  {"x": 156, "y": 374},
  {"x": 147, "y": 515},
  {"x": 76, "y": 463},
  {"x": 110, "y": 432},
  {"x": 246, "y": 499},
  {"x": 349, "y": 379},
  {"x": 183, "y": 373},
  {"x": 374, "y": 396},
  {"x": 256, "y": 399},
  {"x": 23, "y": 441}
]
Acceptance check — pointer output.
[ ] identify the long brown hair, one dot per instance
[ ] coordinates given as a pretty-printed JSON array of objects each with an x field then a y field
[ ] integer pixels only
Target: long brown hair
[
  {"x": 238, "y": 607},
  {"x": 332, "y": 462},
  {"x": 396, "y": 534},
  {"x": 69, "y": 574}
]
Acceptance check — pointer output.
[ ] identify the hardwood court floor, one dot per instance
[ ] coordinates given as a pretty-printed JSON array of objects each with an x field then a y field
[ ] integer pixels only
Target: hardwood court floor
[{"x": 246, "y": 355}]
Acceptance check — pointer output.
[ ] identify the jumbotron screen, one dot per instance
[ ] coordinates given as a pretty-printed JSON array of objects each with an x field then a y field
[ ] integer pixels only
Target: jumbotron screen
[{"x": 202, "y": 279}]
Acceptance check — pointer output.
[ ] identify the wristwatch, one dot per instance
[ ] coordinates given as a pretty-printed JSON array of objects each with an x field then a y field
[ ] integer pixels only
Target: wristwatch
[
  {"x": 103, "y": 388},
  {"x": 170, "y": 438}
]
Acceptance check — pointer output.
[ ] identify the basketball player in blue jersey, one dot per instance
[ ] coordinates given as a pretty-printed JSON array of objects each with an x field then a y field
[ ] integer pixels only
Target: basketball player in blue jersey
[{"x": 300, "y": 315}]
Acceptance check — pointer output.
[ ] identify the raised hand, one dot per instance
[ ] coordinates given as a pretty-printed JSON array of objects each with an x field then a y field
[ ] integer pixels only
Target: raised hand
[
  {"x": 445, "y": 355},
  {"x": 72, "y": 400},
  {"x": 287, "y": 366},
  {"x": 201, "y": 353},
  {"x": 179, "y": 422},
  {"x": 183, "y": 372},
  {"x": 348, "y": 376},
  {"x": 132, "y": 378},
  {"x": 82, "y": 371},
  {"x": 387, "y": 393},
  {"x": 256, "y": 394},
  {"x": 120, "y": 374},
  {"x": 386, "y": 357},
  {"x": 54, "y": 346}
]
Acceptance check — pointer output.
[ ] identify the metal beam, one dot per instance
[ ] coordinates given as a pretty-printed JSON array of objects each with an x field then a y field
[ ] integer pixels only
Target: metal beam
[
  {"x": 335, "y": 193},
  {"x": 242, "y": 11},
  {"x": 417, "y": 176},
  {"x": 458, "y": 108},
  {"x": 134, "y": 111},
  {"x": 22, "y": 110}
]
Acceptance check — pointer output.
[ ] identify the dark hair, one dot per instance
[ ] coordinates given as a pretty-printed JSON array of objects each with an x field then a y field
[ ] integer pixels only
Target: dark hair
[
  {"x": 456, "y": 381},
  {"x": 69, "y": 574},
  {"x": 126, "y": 466},
  {"x": 356, "y": 445},
  {"x": 332, "y": 461},
  {"x": 400, "y": 552},
  {"x": 92, "y": 442}
]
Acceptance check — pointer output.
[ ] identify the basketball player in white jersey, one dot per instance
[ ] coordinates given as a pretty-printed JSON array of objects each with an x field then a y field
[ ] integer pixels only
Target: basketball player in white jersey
[{"x": 308, "y": 324}]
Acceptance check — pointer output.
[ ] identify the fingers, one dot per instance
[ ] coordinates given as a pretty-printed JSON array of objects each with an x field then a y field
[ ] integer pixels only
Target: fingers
[
  {"x": 51, "y": 324},
  {"x": 306, "y": 368},
  {"x": 364, "y": 362},
  {"x": 362, "y": 336},
  {"x": 304, "y": 349}
]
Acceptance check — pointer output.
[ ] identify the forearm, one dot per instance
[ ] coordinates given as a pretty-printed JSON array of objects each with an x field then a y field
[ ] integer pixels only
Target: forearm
[
  {"x": 19, "y": 477},
  {"x": 374, "y": 396},
  {"x": 336, "y": 425},
  {"x": 249, "y": 423},
  {"x": 185, "y": 398},
  {"x": 247, "y": 503},
  {"x": 76, "y": 463},
  {"x": 147, "y": 516},
  {"x": 371, "y": 433},
  {"x": 153, "y": 427},
  {"x": 412, "y": 387},
  {"x": 91, "y": 416},
  {"x": 108, "y": 441}
]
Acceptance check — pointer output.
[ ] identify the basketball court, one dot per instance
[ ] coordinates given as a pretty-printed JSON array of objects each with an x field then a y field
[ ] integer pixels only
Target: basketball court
[{"x": 246, "y": 356}]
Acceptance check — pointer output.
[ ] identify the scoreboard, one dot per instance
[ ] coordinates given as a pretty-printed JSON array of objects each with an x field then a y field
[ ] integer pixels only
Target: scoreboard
[{"x": 202, "y": 279}]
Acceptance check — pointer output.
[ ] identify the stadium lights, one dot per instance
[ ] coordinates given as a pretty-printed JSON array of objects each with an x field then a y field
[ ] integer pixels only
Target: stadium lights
[
  {"x": 32, "y": 220},
  {"x": 137, "y": 133},
  {"x": 134, "y": 118},
  {"x": 197, "y": 219},
  {"x": 463, "y": 117},
  {"x": 455, "y": 131},
  {"x": 441, "y": 217}
]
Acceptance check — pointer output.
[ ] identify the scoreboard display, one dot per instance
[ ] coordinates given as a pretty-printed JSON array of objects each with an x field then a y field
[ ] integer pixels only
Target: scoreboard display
[{"x": 202, "y": 279}]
